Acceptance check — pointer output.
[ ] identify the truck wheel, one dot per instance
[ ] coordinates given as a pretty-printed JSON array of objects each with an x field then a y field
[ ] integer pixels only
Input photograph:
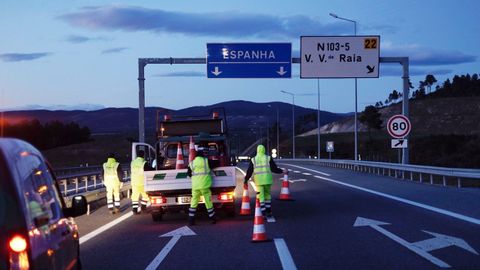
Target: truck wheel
[{"x": 157, "y": 216}]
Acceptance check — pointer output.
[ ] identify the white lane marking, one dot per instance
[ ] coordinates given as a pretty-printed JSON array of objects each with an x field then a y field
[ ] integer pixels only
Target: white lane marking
[
  {"x": 306, "y": 173},
  {"x": 299, "y": 180},
  {"x": 271, "y": 219},
  {"x": 176, "y": 235},
  {"x": 395, "y": 198},
  {"x": 296, "y": 171},
  {"x": 105, "y": 227},
  {"x": 284, "y": 254},
  {"x": 326, "y": 174}
]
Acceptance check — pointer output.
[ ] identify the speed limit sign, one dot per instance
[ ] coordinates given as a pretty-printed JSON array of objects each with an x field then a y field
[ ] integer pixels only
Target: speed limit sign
[{"x": 398, "y": 126}]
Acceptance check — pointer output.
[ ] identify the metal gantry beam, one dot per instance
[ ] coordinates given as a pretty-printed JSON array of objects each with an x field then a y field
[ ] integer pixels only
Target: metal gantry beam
[{"x": 142, "y": 62}]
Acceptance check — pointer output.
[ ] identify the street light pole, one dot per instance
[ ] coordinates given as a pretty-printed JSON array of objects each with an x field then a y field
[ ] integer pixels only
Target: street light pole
[
  {"x": 318, "y": 117},
  {"x": 293, "y": 121},
  {"x": 356, "y": 108}
]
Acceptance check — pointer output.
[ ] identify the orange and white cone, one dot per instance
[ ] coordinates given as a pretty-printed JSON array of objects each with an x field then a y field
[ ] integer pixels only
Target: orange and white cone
[
  {"x": 285, "y": 192},
  {"x": 259, "y": 233},
  {"x": 245, "y": 210},
  {"x": 191, "y": 153},
  {"x": 180, "y": 163}
]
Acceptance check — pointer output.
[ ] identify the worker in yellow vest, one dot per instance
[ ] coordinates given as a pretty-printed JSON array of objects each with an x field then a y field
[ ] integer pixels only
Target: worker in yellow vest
[
  {"x": 137, "y": 169},
  {"x": 112, "y": 173},
  {"x": 261, "y": 167},
  {"x": 199, "y": 171}
]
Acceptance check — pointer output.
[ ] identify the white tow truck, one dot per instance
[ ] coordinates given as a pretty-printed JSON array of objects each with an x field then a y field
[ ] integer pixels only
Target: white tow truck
[{"x": 169, "y": 189}]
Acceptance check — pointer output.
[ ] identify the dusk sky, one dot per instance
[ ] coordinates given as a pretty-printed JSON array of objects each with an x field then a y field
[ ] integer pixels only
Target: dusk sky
[{"x": 59, "y": 52}]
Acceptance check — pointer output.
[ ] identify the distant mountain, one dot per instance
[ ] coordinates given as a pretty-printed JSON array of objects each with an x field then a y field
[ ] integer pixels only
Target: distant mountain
[{"x": 241, "y": 115}]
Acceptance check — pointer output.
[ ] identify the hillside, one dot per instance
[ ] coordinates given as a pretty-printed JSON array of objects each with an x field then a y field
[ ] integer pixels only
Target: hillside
[
  {"x": 241, "y": 115},
  {"x": 452, "y": 115}
]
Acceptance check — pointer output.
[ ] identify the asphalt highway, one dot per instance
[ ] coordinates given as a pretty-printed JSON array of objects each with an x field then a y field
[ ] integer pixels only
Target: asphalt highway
[{"x": 339, "y": 219}]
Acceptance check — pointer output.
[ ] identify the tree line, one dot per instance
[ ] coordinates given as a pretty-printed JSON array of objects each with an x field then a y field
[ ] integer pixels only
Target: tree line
[{"x": 49, "y": 135}]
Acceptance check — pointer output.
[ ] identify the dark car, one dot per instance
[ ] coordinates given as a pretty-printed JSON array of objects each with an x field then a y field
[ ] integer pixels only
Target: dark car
[{"x": 37, "y": 230}]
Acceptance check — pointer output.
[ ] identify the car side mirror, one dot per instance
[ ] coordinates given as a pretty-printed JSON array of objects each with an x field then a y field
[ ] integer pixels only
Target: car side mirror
[{"x": 78, "y": 208}]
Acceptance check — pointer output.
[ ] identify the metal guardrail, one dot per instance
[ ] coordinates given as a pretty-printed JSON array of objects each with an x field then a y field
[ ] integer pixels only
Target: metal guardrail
[
  {"x": 423, "y": 174},
  {"x": 86, "y": 181}
]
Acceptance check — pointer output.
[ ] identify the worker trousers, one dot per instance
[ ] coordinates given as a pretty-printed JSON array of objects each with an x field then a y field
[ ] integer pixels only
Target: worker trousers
[
  {"x": 137, "y": 191},
  {"x": 265, "y": 198},
  {"x": 113, "y": 194}
]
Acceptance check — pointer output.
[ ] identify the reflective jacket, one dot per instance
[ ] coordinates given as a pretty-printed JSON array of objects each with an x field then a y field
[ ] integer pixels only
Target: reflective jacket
[
  {"x": 201, "y": 178},
  {"x": 261, "y": 167},
  {"x": 110, "y": 175},
  {"x": 136, "y": 169}
]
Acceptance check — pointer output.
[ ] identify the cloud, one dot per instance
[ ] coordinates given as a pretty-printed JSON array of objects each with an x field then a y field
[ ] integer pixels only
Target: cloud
[
  {"x": 424, "y": 56},
  {"x": 82, "y": 39},
  {"x": 386, "y": 71},
  {"x": 17, "y": 57},
  {"x": 114, "y": 50},
  {"x": 231, "y": 24},
  {"x": 182, "y": 74}
]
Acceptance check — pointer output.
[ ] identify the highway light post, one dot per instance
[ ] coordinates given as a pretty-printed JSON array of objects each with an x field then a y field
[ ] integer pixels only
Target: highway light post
[
  {"x": 318, "y": 117},
  {"x": 356, "y": 108},
  {"x": 293, "y": 120}
]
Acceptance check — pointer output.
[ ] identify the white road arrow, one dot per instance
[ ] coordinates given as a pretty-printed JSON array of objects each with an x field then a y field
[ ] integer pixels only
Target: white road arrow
[
  {"x": 281, "y": 72},
  {"x": 176, "y": 235},
  {"x": 422, "y": 247},
  {"x": 216, "y": 72}
]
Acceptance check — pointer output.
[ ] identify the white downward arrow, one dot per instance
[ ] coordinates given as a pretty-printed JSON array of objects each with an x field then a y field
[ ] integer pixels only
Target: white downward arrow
[
  {"x": 422, "y": 247},
  {"x": 281, "y": 72},
  {"x": 216, "y": 72},
  {"x": 176, "y": 235}
]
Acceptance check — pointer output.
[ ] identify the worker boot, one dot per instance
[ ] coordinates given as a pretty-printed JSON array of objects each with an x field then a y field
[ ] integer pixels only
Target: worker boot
[
  {"x": 213, "y": 220},
  {"x": 117, "y": 210}
]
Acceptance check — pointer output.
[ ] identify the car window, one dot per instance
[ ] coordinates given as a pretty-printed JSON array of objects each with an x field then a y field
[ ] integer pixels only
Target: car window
[{"x": 37, "y": 189}]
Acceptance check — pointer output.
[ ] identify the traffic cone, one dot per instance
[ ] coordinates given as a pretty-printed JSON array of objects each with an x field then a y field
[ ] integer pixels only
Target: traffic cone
[
  {"x": 180, "y": 163},
  {"x": 245, "y": 210},
  {"x": 259, "y": 234},
  {"x": 285, "y": 192},
  {"x": 191, "y": 153}
]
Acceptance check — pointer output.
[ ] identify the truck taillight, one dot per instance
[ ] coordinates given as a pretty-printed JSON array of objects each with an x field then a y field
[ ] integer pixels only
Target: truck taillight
[
  {"x": 18, "y": 255},
  {"x": 226, "y": 196},
  {"x": 158, "y": 200}
]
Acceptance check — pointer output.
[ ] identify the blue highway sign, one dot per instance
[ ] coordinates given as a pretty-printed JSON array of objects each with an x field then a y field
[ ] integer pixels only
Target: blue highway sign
[{"x": 249, "y": 60}]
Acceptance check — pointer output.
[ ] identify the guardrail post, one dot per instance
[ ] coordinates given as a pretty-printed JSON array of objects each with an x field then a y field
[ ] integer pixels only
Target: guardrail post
[
  {"x": 420, "y": 176},
  {"x": 411, "y": 176},
  {"x": 395, "y": 173},
  {"x": 76, "y": 184},
  {"x": 403, "y": 175},
  {"x": 383, "y": 172},
  {"x": 444, "y": 180},
  {"x": 431, "y": 179},
  {"x": 459, "y": 182},
  {"x": 86, "y": 182}
]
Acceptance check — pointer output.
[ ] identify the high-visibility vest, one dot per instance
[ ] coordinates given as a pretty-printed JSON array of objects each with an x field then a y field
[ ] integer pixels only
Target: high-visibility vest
[
  {"x": 110, "y": 171},
  {"x": 136, "y": 169},
  {"x": 201, "y": 178},
  {"x": 261, "y": 170}
]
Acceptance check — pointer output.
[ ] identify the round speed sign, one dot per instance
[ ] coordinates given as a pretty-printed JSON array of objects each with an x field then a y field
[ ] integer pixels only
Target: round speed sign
[{"x": 398, "y": 126}]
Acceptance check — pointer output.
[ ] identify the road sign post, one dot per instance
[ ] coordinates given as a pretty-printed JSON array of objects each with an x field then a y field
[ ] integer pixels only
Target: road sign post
[{"x": 249, "y": 60}]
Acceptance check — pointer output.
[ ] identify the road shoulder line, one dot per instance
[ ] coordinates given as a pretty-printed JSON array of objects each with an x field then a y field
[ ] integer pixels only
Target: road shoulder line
[{"x": 105, "y": 227}]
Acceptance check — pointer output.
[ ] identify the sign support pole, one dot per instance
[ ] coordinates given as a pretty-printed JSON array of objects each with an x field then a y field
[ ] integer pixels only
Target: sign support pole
[
  {"x": 404, "y": 61},
  {"x": 142, "y": 62}
]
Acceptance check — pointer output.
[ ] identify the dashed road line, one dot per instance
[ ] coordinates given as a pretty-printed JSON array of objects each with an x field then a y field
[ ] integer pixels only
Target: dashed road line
[
  {"x": 326, "y": 174},
  {"x": 284, "y": 254}
]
